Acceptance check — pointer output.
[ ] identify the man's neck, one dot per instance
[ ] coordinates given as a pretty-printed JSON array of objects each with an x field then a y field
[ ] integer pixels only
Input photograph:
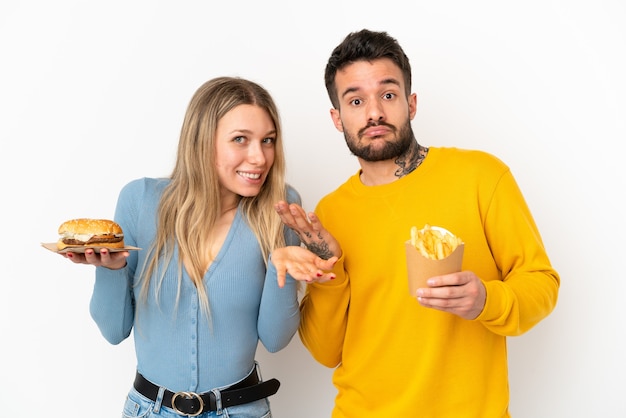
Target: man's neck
[{"x": 376, "y": 173}]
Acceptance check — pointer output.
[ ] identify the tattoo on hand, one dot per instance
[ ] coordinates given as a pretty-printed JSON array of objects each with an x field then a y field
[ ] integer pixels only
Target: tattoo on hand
[{"x": 320, "y": 249}]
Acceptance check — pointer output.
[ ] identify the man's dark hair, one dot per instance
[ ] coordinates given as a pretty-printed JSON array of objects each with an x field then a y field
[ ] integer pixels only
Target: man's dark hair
[{"x": 365, "y": 45}]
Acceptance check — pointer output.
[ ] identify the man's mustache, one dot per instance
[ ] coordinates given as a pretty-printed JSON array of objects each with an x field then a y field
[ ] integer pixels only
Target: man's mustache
[{"x": 371, "y": 124}]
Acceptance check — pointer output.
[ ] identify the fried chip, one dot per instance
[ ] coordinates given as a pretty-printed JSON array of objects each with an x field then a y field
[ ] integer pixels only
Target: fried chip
[{"x": 434, "y": 243}]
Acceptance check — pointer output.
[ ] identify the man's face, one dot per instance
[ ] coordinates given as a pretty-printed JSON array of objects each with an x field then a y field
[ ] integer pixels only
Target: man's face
[{"x": 375, "y": 114}]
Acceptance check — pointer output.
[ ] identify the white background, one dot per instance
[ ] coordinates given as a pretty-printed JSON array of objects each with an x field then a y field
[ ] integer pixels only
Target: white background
[{"x": 92, "y": 95}]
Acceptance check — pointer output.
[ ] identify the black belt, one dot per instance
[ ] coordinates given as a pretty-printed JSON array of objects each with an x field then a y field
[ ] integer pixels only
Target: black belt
[{"x": 192, "y": 404}]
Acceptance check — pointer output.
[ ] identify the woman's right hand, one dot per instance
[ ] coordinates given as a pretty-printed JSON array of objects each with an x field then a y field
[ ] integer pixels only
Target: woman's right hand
[{"x": 105, "y": 258}]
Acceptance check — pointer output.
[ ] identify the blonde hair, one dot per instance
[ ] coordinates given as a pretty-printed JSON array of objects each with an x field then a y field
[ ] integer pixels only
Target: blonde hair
[{"x": 191, "y": 205}]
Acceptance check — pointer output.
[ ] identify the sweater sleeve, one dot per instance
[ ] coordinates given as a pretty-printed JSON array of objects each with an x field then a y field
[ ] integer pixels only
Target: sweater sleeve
[
  {"x": 112, "y": 305},
  {"x": 112, "y": 301},
  {"x": 279, "y": 313},
  {"x": 324, "y": 316},
  {"x": 529, "y": 287},
  {"x": 324, "y": 309}
]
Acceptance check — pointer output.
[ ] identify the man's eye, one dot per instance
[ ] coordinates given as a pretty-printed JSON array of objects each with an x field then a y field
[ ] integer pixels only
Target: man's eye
[
  {"x": 389, "y": 95},
  {"x": 356, "y": 102}
]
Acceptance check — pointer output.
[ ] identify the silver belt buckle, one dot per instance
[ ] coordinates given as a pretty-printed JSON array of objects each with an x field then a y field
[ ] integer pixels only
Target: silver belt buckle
[{"x": 187, "y": 395}]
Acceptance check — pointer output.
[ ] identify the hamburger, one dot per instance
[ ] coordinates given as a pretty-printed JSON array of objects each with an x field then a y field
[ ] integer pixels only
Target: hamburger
[{"x": 85, "y": 232}]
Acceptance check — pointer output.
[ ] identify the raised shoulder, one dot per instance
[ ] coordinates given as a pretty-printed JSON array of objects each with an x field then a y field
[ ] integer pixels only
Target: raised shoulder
[
  {"x": 293, "y": 196},
  {"x": 469, "y": 160}
]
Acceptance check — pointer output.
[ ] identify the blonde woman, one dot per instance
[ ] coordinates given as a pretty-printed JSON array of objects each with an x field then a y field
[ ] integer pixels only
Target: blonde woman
[{"x": 205, "y": 289}]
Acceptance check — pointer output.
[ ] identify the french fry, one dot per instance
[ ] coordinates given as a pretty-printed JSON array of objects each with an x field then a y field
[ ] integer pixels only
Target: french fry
[{"x": 432, "y": 243}]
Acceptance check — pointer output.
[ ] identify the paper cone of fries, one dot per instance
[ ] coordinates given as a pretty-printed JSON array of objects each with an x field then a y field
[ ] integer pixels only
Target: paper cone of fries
[{"x": 431, "y": 251}]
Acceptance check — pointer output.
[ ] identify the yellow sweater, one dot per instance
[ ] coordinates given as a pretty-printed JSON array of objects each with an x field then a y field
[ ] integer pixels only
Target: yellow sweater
[{"x": 394, "y": 357}]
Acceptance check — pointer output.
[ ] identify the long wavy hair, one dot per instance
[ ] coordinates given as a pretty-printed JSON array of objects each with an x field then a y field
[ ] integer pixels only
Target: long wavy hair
[{"x": 191, "y": 204}]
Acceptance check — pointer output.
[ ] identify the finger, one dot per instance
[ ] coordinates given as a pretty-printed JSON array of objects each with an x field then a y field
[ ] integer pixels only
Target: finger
[
  {"x": 281, "y": 277},
  {"x": 442, "y": 293},
  {"x": 297, "y": 211},
  {"x": 452, "y": 279},
  {"x": 315, "y": 221},
  {"x": 325, "y": 264},
  {"x": 75, "y": 257},
  {"x": 299, "y": 216},
  {"x": 106, "y": 258},
  {"x": 282, "y": 269},
  {"x": 314, "y": 274},
  {"x": 282, "y": 208},
  {"x": 114, "y": 260},
  {"x": 326, "y": 277},
  {"x": 91, "y": 257},
  {"x": 304, "y": 272}
]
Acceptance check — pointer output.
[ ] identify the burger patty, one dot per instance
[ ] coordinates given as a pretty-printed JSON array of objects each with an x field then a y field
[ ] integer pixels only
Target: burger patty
[{"x": 93, "y": 240}]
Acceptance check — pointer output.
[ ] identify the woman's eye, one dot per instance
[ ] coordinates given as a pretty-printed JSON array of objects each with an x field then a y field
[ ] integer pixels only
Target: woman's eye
[
  {"x": 239, "y": 139},
  {"x": 269, "y": 140}
]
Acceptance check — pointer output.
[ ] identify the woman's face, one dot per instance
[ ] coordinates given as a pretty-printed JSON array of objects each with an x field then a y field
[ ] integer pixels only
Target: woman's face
[{"x": 245, "y": 146}]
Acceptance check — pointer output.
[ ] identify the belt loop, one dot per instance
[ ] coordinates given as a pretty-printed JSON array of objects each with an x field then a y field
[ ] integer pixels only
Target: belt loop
[
  {"x": 159, "y": 400},
  {"x": 218, "y": 401}
]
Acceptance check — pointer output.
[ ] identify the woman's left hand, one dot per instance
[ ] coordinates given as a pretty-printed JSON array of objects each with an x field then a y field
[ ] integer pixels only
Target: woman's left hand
[{"x": 301, "y": 264}]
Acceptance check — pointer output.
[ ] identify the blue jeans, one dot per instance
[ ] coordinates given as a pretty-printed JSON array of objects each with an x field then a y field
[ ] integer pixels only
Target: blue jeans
[{"x": 137, "y": 405}]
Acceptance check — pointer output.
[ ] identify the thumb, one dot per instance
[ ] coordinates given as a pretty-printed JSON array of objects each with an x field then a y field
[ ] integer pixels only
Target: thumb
[
  {"x": 281, "y": 275},
  {"x": 326, "y": 264}
]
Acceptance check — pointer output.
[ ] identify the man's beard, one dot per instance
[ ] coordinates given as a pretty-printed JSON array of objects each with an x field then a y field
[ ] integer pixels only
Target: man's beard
[{"x": 391, "y": 148}]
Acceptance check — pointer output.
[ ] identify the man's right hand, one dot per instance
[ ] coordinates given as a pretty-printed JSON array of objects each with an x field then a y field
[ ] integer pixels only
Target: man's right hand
[{"x": 310, "y": 230}]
